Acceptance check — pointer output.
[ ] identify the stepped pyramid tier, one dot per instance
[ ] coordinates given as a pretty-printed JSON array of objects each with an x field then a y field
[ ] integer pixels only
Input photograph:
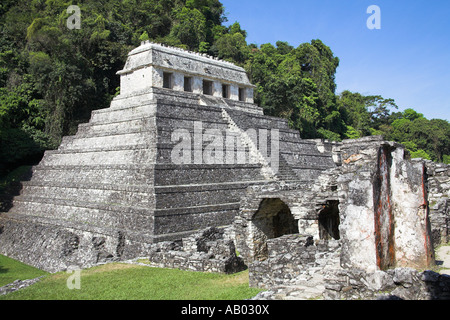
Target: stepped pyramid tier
[{"x": 173, "y": 154}]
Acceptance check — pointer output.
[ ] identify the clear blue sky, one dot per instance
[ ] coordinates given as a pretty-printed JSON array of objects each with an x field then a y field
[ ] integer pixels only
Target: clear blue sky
[{"x": 407, "y": 60}]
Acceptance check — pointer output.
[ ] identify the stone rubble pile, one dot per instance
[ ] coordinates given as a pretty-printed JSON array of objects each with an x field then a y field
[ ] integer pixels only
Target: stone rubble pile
[
  {"x": 353, "y": 284},
  {"x": 17, "y": 285},
  {"x": 293, "y": 260},
  {"x": 206, "y": 251},
  {"x": 398, "y": 283}
]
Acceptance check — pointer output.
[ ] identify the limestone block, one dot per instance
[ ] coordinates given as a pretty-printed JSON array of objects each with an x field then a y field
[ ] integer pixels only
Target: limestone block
[
  {"x": 197, "y": 85},
  {"x": 234, "y": 92},
  {"x": 139, "y": 80},
  {"x": 250, "y": 95},
  {"x": 178, "y": 81},
  {"x": 412, "y": 229},
  {"x": 384, "y": 219},
  {"x": 217, "y": 89},
  {"x": 157, "y": 77}
]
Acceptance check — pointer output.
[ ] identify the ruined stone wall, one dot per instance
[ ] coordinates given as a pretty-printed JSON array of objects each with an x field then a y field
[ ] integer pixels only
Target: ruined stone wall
[
  {"x": 289, "y": 257},
  {"x": 392, "y": 284},
  {"x": 253, "y": 225},
  {"x": 438, "y": 197},
  {"x": 380, "y": 198},
  {"x": 383, "y": 207},
  {"x": 209, "y": 250},
  {"x": 55, "y": 247}
]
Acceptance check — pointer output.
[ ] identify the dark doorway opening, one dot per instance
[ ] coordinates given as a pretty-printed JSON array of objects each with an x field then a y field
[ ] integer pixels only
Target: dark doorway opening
[
  {"x": 167, "y": 80},
  {"x": 329, "y": 221},
  {"x": 272, "y": 220}
]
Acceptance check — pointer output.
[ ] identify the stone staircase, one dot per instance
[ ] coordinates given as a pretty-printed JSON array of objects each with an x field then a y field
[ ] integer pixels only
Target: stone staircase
[
  {"x": 299, "y": 160},
  {"x": 97, "y": 177},
  {"x": 285, "y": 172},
  {"x": 255, "y": 155}
]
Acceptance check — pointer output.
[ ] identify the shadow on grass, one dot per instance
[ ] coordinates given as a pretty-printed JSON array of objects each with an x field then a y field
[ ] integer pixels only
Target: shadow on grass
[{"x": 3, "y": 270}]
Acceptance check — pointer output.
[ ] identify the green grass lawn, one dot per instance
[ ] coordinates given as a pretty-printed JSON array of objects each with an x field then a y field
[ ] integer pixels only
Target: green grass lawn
[
  {"x": 119, "y": 281},
  {"x": 11, "y": 270}
]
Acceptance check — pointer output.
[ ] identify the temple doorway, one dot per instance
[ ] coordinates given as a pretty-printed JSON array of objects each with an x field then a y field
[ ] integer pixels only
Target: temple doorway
[{"x": 272, "y": 220}]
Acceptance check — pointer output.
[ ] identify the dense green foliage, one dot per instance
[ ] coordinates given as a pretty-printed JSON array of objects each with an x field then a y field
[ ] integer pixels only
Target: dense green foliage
[
  {"x": 298, "y": 84},
  {"x": 52, "y": 77}
]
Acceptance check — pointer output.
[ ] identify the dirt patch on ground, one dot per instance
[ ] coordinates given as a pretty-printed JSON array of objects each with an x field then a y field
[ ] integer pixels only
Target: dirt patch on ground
[
  {"x": 237, "y": 279},
  {"x": 443, "y": 259}
]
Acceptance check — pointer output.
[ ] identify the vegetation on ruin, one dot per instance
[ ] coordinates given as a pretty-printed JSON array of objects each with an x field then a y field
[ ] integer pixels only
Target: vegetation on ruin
[
  {"x": 52, "y": 77},
  {"x": 118, "y": 281}
]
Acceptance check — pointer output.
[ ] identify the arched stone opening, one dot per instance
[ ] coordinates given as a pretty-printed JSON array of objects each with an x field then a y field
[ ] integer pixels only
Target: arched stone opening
[
  {"x": 329, "y": 221},
  {"x": 272, "y": 220}
]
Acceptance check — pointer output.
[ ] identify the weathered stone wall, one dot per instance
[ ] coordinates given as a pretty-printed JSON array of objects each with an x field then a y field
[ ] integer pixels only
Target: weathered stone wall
[
  {"x": 392, "y": 284},
  {"x": 375, "y": 203},
  {"x": 147, "y": 63},
  {"x": 289, "y": 257},
  {"x": 438, "y": 197},
  {"x": 209, "y": 250},
  {"x": 383, "y": 207},
  {"x": 55, "y": 247},
  {"x": 258, "y": 207}
]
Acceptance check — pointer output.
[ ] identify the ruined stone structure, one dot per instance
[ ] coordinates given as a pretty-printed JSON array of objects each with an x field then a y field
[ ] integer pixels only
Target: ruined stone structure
[
  {"x": 172, "y": 155},
  {"x": 354, "y": 226},
  {"x": 375, "y": 202},
  {"x": 206, "y": 251},
  {"x": 438, "y": 184},
  {"x": 183, "y": 150}
]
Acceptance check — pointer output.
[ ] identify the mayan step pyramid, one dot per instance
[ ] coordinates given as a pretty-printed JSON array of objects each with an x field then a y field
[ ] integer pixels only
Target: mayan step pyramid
[{"x": 173, "y": 154}]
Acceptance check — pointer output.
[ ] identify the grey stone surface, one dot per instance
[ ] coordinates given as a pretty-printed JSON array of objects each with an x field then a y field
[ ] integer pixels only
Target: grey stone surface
[
  {"x": 394, "y": 284},
  {"x": 292, "y": 259},
  {"x": 17, "y": 285},
  {"x": 438, "y": 186},
  {"x": 205, "y": 251}
]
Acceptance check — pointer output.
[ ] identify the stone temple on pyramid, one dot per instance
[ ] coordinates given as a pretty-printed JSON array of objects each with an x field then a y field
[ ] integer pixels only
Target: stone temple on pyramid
[
  {"x": 115, "y": 184},
  {"x": 184, "y": 148}
]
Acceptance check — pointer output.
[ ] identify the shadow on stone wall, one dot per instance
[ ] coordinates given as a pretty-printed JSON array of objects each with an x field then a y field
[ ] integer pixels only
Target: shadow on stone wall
[{"x": 12, "y": 190}]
